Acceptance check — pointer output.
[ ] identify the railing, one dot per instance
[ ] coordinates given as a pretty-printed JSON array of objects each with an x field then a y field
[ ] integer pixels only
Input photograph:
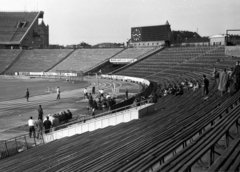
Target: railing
[
  {"x": 19, "y": 144},
  {"x": 83, "y": 119},
  {"x": 101, "y": 121}
]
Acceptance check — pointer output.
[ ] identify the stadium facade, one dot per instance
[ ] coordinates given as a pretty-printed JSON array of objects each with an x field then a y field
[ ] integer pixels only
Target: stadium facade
[{"x": 21, "y": 30}]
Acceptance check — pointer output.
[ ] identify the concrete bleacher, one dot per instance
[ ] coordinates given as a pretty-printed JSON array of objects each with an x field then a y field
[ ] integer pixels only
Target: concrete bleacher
[
  {"x": 7, "y": 57},
  {"x": 132, "y": 53},
  {"x": 8, "y": 25},
  {"x": 165, "y": 59},
  {"x": 83, "y": 59},
  {"x": 173, "y": 138},
  {"x": 38, "y": 60}
]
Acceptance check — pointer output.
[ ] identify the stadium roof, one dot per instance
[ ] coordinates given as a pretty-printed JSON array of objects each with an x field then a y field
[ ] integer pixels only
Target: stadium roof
[{"x": 14, "y": 26}]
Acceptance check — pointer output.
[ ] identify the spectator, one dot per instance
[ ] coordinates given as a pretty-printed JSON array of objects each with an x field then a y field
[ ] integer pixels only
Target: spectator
[
  {"x": 55, "y": 123},
  {"x": 93, "y": 90},
  {"x": 236, "y": 73},
  {"x": 69, "y": 114},
  {"x": 90, "y": 96},
  {"x": 31, "y": 124},
  {"x": 179, "y": 90},
  {"x": 58, "y": 93},
  {"x": 39, "y": 125},
  {"x": 230, "y": 81},
  {"x": 126, "y": 93},
  {"x": 196, "y": 85},
  {"x": 90, "y": 103},
  {"x": 215, "y": 77},
  {"x": 205, "y": 86},
  {"x": 47, "y": 125},
  {"x": 85, "y": 92},
  {"x": 40, "y": 112},
  {"x": 108, "y": 96},
  {"x": 65, "y": 114},
  {"x": 101, "y": 93},
  {"x": 27, "y": 94},
  {"x": 223, "y": 80}
]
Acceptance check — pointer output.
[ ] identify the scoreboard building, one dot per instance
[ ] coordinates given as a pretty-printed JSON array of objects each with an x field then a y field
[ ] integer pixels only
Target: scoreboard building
[{"x": 150, "y": 36}]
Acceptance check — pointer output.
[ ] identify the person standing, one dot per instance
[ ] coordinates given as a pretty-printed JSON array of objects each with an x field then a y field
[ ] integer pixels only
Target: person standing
[
  {"x": 85, "y": 92},
  {"x": 47, "y": 125},
  {"x": 58, "y": 93},
  {"x": 205, "y": 86},
  {"x": 93, "y": 90},
  {"x": 126, "y": 93},
  {"x": 223, "y": 79},
  {"x": 215, "y": 77},
  {"x": 39, "y": 125},
  {"x": 236, "y": 74},
  {"x": 40, "y": 112},
  {"x": 31, "y": 124},
  {"x": 27, "y": 94}
]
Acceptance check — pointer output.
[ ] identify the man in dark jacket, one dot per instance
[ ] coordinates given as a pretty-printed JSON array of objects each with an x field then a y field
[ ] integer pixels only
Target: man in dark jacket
[
  {"x": 205, "y": 86},
  {"x": 40, "y": 112},
  {"x": 69, "y": 114},
  {"x": 47, "y": 125},
  {"x": 93, "y": 90},
  {"x": 236, "y": 73},
  {"x": 126, "y": 93},
  {"x": 27, "y": 94}
]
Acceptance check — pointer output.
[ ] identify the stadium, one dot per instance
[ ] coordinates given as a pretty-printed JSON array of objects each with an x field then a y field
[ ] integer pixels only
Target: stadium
[{"x": 167, "y": 100}]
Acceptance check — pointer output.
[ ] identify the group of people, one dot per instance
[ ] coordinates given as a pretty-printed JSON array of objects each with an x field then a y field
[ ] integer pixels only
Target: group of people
[
  {"x": 153, "y": 98},
  {"x": 48, "y": 123},
  {"x": 178, "y": 89},
  {"x": 104, "y": 103},
  {"x": 228, "y": 81}
]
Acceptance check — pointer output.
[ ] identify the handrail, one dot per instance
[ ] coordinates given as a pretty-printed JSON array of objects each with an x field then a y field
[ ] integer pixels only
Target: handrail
[{"x": 84, "y": 119}]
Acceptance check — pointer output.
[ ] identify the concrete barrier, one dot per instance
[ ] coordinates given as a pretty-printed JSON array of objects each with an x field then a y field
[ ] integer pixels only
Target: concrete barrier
[{"x": 101, "y": 122}]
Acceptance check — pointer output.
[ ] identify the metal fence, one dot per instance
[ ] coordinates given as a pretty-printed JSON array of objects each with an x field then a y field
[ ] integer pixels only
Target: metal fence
[{"x": 19, "y": 144}]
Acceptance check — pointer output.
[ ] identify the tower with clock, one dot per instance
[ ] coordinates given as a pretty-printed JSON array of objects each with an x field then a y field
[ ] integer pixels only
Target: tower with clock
[
  {"x": 136, "y": 34},
  {"x": 150, "y": 36}
]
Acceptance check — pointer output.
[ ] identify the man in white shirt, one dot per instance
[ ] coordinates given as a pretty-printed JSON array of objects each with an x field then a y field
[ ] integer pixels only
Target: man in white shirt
[
  {"x": 58, "y": 93},
  {"x": 101, "y": 91},
  {"x": 31, "y": 125}
]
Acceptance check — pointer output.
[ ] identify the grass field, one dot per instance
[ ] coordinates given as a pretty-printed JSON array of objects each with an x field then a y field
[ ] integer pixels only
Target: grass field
[{"x": 16, "y": 88}]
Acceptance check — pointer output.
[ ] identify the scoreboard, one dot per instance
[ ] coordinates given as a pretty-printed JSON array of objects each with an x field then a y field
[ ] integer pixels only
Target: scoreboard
[{"x": 151, "y": 33}]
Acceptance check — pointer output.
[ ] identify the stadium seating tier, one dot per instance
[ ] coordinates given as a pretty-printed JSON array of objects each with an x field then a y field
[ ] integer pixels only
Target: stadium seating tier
[
  {"x": 83, "y": 59},
  {"x": 38, "y": 60}
]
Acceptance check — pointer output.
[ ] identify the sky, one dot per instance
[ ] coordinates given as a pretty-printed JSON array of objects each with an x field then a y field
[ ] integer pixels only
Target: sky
[{"x": 98, "y": 21}]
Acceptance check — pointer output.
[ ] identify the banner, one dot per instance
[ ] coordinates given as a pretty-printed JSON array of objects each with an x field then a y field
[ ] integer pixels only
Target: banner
[
  {"x": 46, "y": 74},
  {"x": 122, "y": 60},
  {"x": 127, "y": 78}
]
